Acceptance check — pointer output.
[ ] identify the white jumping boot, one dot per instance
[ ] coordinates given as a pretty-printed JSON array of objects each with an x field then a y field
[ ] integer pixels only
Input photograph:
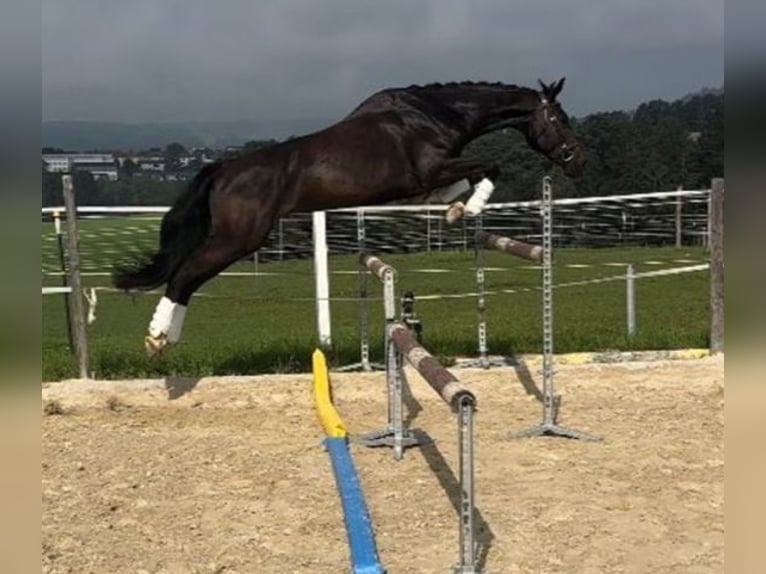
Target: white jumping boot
[
  {"x": 482, "y": 192},
  {"x": 475, "y": 204},
  {"x": 165, "y": 326}
]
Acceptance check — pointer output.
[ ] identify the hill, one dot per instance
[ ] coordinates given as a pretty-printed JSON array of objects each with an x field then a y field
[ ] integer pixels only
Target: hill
[{"x": 85, "y": 135}]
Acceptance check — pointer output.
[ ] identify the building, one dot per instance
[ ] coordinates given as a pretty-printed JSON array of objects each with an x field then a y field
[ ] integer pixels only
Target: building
[{"x": 100, "y": 165}]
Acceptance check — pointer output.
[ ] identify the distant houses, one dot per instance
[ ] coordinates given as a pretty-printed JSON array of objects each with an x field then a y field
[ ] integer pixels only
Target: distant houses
[
  {"x": 113, "y": 166},
  {"x": 100, "y": 165}
]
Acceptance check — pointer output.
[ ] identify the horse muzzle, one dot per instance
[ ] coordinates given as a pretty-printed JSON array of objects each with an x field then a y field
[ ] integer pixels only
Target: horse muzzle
[{"x": 573, "y": 162}]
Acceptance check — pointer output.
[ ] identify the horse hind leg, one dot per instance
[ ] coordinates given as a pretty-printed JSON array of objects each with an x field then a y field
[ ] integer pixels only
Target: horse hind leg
[
  {"x": 241, "y": 217},
  {"x": 204, "y": 264}
]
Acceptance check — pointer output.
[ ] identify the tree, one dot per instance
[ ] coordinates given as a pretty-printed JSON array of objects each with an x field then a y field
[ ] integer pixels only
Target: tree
[
  {"x": 52, "y": 192},
  {"x": 128, "y": 169},
  {"x": 173, "y": 153}
]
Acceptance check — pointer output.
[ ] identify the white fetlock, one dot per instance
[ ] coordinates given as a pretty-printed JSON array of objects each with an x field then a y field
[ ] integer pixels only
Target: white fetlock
[
  {"x": 165, "y": 326},
  {"x": 455, "y": 212},
  {"x": 482, "y": 192},
  {"x": 163, "y": 316}
]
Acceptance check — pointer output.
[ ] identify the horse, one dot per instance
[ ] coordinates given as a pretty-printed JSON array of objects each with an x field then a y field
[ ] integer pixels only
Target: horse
[{"x": 398, "y": 145}]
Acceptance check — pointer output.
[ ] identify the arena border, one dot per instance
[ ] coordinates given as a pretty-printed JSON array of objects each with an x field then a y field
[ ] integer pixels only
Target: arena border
[{"x": 593, "y": 357}]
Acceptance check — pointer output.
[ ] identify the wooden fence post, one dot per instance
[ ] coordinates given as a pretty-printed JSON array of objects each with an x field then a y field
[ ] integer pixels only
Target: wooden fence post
[
  {"x": 715, "y": 241},
  {"x": 75, "y": 282}
]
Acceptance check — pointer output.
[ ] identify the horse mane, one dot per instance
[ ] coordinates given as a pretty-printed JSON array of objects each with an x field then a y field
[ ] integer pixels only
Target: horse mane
[
  {"x": 386, "y": 97},
  {"x": 463, "y": 84}
]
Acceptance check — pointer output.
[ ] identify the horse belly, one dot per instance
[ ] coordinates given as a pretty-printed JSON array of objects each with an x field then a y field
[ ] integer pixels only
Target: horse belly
[{"x": 351, "y": 185}]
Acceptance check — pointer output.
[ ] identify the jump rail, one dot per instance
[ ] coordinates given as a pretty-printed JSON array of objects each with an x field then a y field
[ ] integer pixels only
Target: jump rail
[
  {"x": 400, "y": 344},
  {"x": 446, "y": 385},
  {"x": 394, "y": 434},
  {"x": 462, "y": 402},
  {"x": 387, "y": 276},
  {"x": 508, "y": 245},
  {"x": 482, "y": 240}
]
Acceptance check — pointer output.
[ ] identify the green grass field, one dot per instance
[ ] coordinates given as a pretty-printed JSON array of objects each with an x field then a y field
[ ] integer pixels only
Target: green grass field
[{"x": 247, "y": 325}]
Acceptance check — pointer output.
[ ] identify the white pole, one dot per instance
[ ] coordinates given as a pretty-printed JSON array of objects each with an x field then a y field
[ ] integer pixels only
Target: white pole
[
  {"x": 679, "y": 221},
  {"x": 630, "y": 298},
  {"x": 322, "y": 278}
]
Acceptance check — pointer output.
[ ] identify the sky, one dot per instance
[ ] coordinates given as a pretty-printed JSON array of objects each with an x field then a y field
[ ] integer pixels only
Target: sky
[{"x": 186, "y": 60}]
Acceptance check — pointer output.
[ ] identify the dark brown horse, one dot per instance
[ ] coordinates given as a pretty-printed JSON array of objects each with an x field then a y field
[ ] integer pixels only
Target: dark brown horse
[{"x": 399, "y": 144}]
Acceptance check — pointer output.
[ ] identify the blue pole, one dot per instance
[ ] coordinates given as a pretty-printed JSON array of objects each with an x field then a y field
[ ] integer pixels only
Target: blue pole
[{"x": 364, "y": 554}]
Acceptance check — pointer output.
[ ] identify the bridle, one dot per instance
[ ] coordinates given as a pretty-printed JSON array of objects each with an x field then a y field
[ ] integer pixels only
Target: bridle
[{"x": 565, "y": 152}]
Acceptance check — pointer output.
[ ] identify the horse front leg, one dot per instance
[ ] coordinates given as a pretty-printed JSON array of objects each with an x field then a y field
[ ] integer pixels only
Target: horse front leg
[{"x": 458, "y": 176}]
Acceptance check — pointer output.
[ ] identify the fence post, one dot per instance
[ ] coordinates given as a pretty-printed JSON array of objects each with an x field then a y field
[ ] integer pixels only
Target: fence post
[
  {"x": 630, "y": 297},
  {"x": 428, "y": 231},
  {"x": 679, "y": 228},
  {"x": 64, "y": 280},
  {"x": 715, "y": 241},
  {"x": 75, "y": 282},
  {"x": 281, "y": 239}
]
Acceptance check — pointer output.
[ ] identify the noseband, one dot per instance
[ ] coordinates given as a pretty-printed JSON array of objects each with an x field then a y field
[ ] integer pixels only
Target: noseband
[{"x": 565, "y": 152}]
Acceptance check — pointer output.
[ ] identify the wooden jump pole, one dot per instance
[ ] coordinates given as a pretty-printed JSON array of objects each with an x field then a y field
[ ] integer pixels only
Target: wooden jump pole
[
  {"x": 484, "y": 240},
  {"x": 518, "y": 248},
  {"x": 446, "y": 385},
  {"x": 462, "y": 402},
  {"x": 394, "y": 434}
]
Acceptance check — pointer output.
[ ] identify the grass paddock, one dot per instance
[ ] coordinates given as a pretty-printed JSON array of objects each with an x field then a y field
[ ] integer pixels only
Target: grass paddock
[{"x": 266, "y": 323}]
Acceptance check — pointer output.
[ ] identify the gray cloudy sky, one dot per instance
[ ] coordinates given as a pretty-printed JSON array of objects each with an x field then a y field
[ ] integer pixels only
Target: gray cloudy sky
[{"x": 154, "y": 60}]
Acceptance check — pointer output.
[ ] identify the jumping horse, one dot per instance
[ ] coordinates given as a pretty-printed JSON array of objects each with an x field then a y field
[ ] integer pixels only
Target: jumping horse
[{"x": 399, "y": 145}]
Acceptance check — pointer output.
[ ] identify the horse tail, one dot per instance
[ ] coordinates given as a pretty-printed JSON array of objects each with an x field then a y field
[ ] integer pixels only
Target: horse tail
[{"x": 184, "y": 229}]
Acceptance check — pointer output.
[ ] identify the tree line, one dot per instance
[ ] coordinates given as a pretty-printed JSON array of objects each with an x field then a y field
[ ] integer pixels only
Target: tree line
[{"x": 658, "y": 147}]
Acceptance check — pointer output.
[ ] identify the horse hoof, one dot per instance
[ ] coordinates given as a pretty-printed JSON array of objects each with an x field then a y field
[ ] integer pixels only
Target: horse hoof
[
  {"x": 455, "y": 212},
  {"x": 155, "y": 345}
]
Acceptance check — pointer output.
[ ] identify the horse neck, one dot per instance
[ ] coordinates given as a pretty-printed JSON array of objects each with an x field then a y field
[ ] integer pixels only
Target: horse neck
[{"x": 492, "y": 107}]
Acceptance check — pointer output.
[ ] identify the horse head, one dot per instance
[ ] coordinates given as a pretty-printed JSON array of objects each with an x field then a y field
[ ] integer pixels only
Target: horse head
[{"x": 550, "y": 133}]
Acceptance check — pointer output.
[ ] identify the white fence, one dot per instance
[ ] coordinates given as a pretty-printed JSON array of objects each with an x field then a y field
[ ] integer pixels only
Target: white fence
[{"x": 664, "y": 218}]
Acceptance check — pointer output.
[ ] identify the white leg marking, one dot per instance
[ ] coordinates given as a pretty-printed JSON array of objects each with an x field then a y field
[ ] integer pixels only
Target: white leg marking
[
  {"x": 482, "y": 191},
  {"x": 162, "y": 318},
  {"x": 176, "y": 323}
]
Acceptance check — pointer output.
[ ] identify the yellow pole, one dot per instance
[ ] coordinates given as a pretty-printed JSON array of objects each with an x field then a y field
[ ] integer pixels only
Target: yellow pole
[{"x": 328, "y": 416}]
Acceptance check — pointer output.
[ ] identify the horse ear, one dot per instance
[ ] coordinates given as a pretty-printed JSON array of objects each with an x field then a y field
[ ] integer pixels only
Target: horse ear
[
  {"x": 557, "y": 87},
  {"x": 544, "y": 88}
]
